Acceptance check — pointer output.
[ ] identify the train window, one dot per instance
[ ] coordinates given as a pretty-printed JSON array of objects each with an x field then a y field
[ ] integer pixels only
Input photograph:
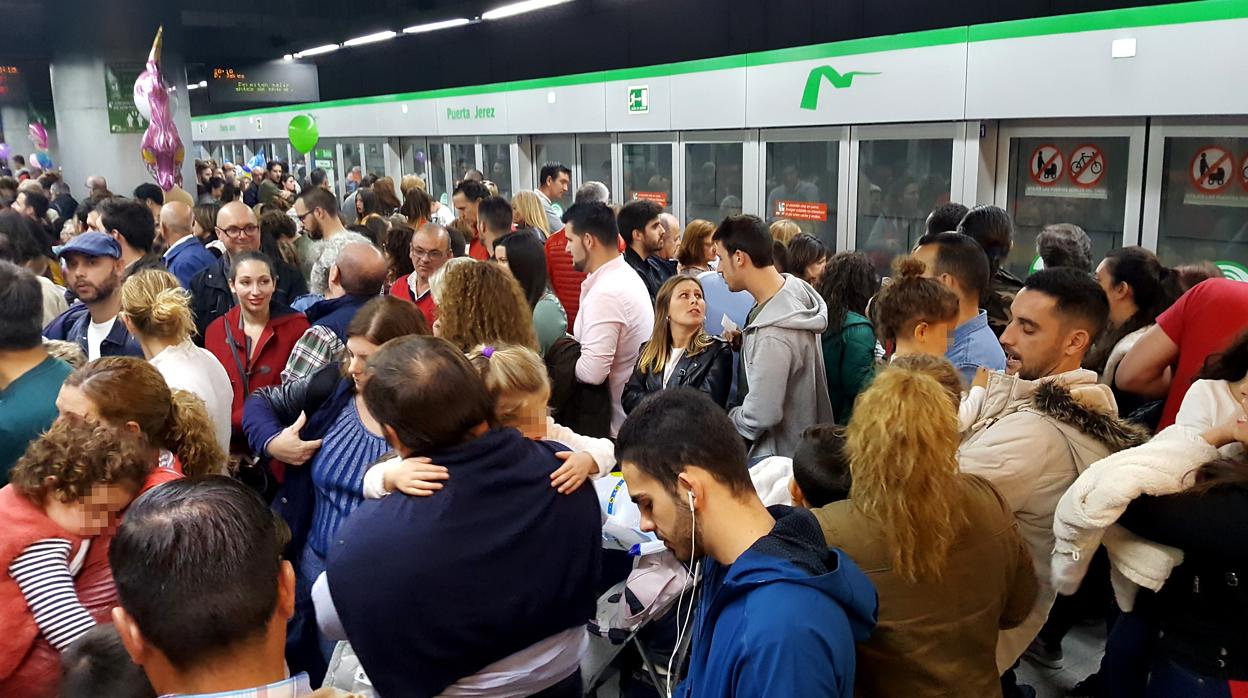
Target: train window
[
  {"x": 899, "y": 183},
  {"x": 497, "y": 166},
  {"x": 801, "y": 185},
  {"x": 648, "y": 173},
  {"x": 350, "y": 161},
  {"x": 415, "y": 158},
  {"x": 713, "y": 180},
  {"x": 595, "y": 164},
  {"x": 463, "y": 158},
  {"x": 1079, "y": 180},
  {"x": 1204, "y": 203}
]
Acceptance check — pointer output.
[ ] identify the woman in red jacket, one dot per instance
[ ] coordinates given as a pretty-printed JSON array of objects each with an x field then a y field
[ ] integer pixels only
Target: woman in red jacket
[{"x": 254, "y": 339}]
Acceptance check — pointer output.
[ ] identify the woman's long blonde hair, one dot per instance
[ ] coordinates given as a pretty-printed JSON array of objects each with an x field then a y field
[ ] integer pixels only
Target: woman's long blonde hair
[
  {"x": 157, "y": 306},
  {"x": 531, "y": 210},
  {"x": 902, "y": 445},
  {"x": 654, "y": 356}
]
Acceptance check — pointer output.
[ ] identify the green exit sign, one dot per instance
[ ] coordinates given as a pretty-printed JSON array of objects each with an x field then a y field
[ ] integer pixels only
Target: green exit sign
[{"x": 639, "y": 99}]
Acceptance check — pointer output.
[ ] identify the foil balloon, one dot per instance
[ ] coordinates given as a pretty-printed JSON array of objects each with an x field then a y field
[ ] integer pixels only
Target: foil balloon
[
  {"x": 43, "y": 160},
  {"x": 32, "y": 162},
  {"x": 38, "y": 135},
  {"x": 6, "y": 152},
  {"x": 161, "y": 147}
]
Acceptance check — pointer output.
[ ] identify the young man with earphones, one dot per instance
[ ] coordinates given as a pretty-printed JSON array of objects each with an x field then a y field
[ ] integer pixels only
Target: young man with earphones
[{"x": 777, "y": 612}]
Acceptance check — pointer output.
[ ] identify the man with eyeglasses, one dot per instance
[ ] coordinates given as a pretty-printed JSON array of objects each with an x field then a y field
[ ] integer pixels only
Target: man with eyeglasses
[
  {"x": 316, "y": 211},
  {"x": 431, "y": 247},
  {"x": 239, "y": 232}
]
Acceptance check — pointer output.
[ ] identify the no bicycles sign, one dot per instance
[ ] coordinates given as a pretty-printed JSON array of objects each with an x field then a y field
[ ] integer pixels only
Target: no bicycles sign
[{"x": 1087, "y": 165}]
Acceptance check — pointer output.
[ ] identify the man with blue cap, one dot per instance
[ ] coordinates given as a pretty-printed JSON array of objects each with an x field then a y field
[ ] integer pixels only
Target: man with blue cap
[{"x": 93, "y": 271}]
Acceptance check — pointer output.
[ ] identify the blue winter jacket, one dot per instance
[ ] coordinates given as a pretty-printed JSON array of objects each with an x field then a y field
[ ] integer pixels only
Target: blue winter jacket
[{"x": 782, "y": 620}]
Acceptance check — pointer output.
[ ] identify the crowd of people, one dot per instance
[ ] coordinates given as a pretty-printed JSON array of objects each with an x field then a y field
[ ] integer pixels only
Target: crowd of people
[{"x": 250, "y": 448}]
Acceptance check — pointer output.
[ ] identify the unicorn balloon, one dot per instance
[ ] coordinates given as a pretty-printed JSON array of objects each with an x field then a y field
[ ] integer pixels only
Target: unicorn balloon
[{"x": 161, "y": 147}]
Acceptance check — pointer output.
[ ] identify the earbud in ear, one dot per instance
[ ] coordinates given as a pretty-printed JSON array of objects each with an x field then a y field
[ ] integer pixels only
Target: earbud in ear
[{"x": 691, "y": 500}]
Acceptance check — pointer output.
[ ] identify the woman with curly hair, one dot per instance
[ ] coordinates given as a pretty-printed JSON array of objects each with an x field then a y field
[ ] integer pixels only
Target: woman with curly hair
[
  {"x": 847, "y": 286},
  {"x": 124, "y": 390},
  {"x": 941, "y": 546},
  {"x": 157, "y": 312},
  {"x": 64, "y": 495},
  {"x": 483, "y": 304}
]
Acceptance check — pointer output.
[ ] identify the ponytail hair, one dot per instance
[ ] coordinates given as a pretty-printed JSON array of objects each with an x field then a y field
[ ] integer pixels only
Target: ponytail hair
[
  {"x": 902, "y": 445},
  {"x": 1154, "y": 288},
  {"x": 910, "y": 299},
  {"x": 127, "y": 389},
  {"x": 189, "y": 434},
  {"x": 157, "y": 306},
  {"x": 512, "y": 371}
]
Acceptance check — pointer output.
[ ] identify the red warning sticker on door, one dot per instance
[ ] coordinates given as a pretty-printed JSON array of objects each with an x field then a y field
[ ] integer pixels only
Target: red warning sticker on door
[
  {"x": 1047, "y": 165},
  {"x": 658, "y": 197},
  {"x": 801, "y": 210},
  {"x": 1211, "y": 169},
  {"x": 1087, "y": 165}
]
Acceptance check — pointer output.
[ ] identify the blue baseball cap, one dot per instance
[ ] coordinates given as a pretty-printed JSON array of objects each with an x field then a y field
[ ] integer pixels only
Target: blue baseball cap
[{"x": 93, "y": 244}]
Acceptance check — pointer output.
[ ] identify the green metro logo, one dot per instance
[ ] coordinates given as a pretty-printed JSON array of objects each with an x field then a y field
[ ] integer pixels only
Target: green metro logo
[{"x": 810, "y": 95}]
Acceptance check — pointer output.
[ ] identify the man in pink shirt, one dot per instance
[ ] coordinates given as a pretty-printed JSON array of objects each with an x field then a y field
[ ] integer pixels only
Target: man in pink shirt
[{"x": 615, "y": 314}]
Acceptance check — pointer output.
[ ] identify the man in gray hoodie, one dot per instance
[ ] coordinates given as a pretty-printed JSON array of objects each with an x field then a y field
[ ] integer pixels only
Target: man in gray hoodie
[{"x": 782, "y": 386}]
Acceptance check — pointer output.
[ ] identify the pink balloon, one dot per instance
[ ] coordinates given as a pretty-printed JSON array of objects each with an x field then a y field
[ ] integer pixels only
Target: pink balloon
[
  {"x": 38, "y": 135},
  {"x": 161, "y": 148},
  {"x": 32, "y": 162}
]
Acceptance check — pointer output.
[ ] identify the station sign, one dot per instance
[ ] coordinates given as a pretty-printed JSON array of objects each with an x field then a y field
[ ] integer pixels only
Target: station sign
[{"x": 283, "y": 82}]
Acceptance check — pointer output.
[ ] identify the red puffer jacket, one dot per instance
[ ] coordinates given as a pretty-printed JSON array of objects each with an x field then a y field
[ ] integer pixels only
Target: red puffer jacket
[
  {"x": 565, "y": 281},
  {"x": 264, "y": 368}
]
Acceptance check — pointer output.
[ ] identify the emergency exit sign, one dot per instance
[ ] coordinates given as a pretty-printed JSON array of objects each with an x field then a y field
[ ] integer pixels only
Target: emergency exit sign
[{"x": 639, "y": 99}]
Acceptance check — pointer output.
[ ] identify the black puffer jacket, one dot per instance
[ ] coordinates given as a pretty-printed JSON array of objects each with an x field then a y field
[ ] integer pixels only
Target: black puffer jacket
[{"x": 710, "y": 371}]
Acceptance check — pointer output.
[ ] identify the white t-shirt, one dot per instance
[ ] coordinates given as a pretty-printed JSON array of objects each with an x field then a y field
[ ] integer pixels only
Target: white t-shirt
[
  {"x": 670, "y": 368},
  {"x": 1207, "y": 404},
  {"x": 96, "y": 334},
  {"x": 195, "y": 370}
]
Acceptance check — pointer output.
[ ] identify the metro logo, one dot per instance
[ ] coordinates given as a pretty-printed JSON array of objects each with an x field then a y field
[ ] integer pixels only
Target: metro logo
[{"x": 810, "y": 95}]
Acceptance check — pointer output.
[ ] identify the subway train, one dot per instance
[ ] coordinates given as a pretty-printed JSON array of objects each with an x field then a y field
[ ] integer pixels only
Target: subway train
[{"x": 1132, "y": 124}]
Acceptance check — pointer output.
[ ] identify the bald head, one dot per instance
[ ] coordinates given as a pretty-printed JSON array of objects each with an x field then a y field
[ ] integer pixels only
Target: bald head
[
  {"x": 96, "y": 182},
  {"x": 360, "y": 270},
  {"x": 237, "y": 228},
  {"x": 175, "y": 221}
]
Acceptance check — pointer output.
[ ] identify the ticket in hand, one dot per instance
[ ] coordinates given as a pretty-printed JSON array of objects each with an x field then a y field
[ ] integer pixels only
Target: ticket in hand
[{"x": 728, "y": 324}]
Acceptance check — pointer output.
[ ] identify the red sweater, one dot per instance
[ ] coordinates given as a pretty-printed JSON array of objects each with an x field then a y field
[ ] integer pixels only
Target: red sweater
[
  {"x": 565, "y": 281},
  {"x": 401, "y": 289},
  {"x": 263, "y": 369}
]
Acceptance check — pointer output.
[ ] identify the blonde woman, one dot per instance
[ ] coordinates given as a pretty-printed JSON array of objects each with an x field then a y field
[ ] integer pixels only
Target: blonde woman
[
  {"x": 941, "y": 547},
  {"x": 680, "y": 353},
  {"x": 527, "y": 212},
  {"x": 784, "y": 230},
  {"x": 157, "y": 312}
]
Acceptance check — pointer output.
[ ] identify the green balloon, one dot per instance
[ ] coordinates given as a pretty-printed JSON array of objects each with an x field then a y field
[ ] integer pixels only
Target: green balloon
[{"x": 303, "y": 133}]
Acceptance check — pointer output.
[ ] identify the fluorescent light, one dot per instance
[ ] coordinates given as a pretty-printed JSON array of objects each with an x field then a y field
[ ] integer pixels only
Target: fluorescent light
[
  {"x": 288, "y": 57},
  {"x": 1122, "y": 48},
  {"x": 316, "y": 51},
  {"x": 191, "y": 87},
  {"x": 517, "y": 8},
  {"x": 434, "y": 26},
  {"x": 203, "y": 83},
  {"x": 370, "y": 38}
]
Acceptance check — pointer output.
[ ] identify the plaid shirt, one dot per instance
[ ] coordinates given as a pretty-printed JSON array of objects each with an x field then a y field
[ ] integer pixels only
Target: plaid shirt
[
  {"x": 294, "y": 687},
  {"x": 317, "y": 348}
]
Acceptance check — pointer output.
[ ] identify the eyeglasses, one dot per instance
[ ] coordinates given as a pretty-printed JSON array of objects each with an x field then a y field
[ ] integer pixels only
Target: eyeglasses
[
  {"x": 235, "y": 232},
  {"x": 432, "y": 255},
  {"x": 303, "y": 215}
]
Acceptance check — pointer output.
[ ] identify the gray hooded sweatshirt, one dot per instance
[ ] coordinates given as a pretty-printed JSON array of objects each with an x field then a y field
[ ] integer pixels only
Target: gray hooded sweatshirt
[{"x": 783, "y": 361}]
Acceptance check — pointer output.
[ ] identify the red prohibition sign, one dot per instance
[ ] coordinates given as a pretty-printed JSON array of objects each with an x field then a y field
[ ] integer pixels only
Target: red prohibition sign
[
  {"x": 1215, "y": 177},
  {"x": 1243, "y": 173},
  {"x": 1087, "y": 160},
  {"x": 1047, "y": 165}
]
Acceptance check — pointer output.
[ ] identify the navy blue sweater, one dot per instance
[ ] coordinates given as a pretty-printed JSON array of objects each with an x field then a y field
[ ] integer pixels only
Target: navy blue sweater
[{"x": 433, "y": 589}]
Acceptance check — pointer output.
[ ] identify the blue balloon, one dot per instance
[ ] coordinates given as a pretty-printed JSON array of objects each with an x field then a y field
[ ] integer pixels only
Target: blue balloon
[{"x": 44, "y": 161}]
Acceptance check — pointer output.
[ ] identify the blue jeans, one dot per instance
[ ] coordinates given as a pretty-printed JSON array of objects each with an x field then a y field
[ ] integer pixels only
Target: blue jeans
[
  {"x": 1124, "y": 668},
  {"x": 1169, "y": 680}
]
